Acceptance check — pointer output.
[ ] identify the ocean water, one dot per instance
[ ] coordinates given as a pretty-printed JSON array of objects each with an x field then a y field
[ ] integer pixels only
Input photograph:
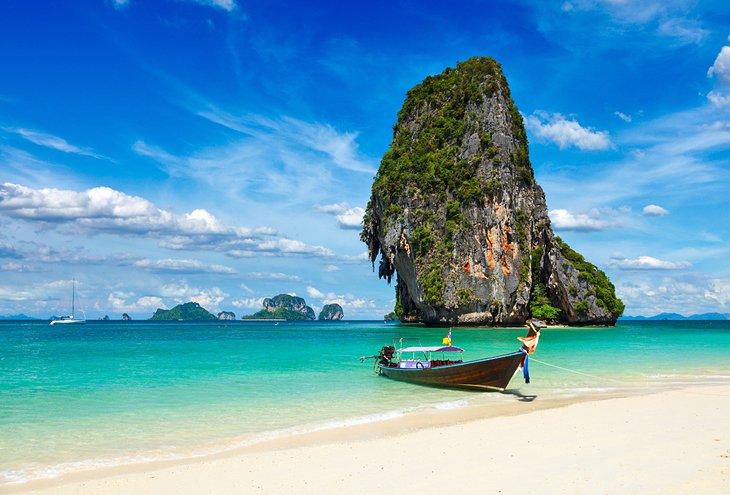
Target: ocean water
[{"x": 112, "y": 393}]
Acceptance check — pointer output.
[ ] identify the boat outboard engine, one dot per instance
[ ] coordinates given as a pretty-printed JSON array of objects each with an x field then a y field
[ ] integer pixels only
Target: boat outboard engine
[{"x": 386, "y": 355}]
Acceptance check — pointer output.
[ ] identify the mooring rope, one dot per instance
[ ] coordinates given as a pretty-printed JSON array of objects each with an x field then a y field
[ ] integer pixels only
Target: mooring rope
[{"x": 574, "y": 371}]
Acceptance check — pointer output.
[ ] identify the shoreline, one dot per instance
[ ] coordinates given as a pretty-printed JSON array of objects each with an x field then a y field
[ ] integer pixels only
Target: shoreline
[{"x": 422, "y": 428}]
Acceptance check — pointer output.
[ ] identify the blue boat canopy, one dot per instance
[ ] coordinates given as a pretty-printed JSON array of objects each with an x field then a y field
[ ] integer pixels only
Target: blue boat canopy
[{"x": 433, "y": 348}]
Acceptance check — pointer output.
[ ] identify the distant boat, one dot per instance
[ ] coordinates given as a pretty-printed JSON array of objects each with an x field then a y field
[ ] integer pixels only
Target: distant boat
[
  {"x": 420, "y": 364},
  {"x": 70, "y": 319}
]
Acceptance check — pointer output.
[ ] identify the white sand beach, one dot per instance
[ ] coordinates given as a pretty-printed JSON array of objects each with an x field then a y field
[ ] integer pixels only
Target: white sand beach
[{"x": 670, "y": 442}]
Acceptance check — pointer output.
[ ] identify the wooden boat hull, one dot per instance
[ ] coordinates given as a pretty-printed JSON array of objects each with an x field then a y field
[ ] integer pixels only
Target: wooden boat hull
[{"x": 489, "y": 374}]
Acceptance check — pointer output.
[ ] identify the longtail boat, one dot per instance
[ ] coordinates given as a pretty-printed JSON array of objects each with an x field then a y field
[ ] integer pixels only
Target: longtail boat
[{"x": 421, "y": 364}]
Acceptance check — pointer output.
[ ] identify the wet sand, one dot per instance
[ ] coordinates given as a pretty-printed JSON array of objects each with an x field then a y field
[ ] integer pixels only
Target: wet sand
[{"x": 669, "y": 442}]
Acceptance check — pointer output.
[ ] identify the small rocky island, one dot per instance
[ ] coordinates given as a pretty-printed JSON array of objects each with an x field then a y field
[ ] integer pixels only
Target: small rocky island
[
  {"x": 331, "y": 312},
  {"x": 190, "y": 311},
  {"x": 283, "y": 307},
  {"x": 455, "y": 213},
  {"x": 227, "y": 315}
]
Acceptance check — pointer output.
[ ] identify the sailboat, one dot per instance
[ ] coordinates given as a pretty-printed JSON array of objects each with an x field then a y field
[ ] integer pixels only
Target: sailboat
[{"x": 70, "y": 319}]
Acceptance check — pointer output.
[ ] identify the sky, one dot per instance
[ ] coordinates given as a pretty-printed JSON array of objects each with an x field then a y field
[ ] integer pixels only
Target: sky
[{"x": 223, "y": 151}]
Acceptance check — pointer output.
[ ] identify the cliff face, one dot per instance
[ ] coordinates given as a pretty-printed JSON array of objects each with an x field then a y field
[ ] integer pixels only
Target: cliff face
[{"x": 455, "y": 212}]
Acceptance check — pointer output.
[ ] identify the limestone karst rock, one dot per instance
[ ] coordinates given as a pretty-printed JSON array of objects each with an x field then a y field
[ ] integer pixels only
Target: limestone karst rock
[
  {"x": 456, "y": 213},
  {"x": 331, "y": 312},
  {"x": 227, "y": 315},
  {"x": 284, "y": 306}
]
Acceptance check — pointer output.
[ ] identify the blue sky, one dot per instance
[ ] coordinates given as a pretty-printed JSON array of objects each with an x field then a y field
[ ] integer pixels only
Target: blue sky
[{"x": 222, "y": 151}]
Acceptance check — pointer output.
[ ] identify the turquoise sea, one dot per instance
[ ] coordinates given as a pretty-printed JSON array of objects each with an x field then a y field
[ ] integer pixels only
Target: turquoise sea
[{"x": 112, "y": 393}]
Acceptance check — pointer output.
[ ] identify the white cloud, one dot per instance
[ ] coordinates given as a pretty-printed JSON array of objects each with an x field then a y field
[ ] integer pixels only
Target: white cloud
[
  {"x": 351, "y": 218},
  {"x": 14, "y": 267},
  {"x": 100, "y": 203},
  {"x": 182, "y": 265},
  {"x": 721, "y": 67},
  {"x": 51, "y": 141},
  {"x": 296, "y": 137},
  {"x": 347, "y": 301},
  {"x": 8, "y": 251},
  {"x": 227, "y": 5},
  {"x": 292, "y": 246},
  {"x": 334, "y": 209},
  {"x": 292, "y": 161},
  {"x": 182, "y": 293},
  {"x": 718, "y": 99},
  {"x": 331, "y": 268},
  {"x": 120, "y": 4},
  {"x": 566, "y": 133},
  {"x": 312, "y": 292},
  {"x": 685, "y": 293},
  {"x": 210, "y": 299},
  {"x": 718, "y": 291},
  {"x": 272, "y": 276},
  {"x": 655, "y": 211},
  {"x": 684, "y": 31},
  {"x": 125, "y": 302},
  {"x": 623, "y": 116},
  {"x": 667, "y": 19},
  {"x": 255, "y": 303},
  {"x": 648, "y": 263},
  {"x": 151, "y": 302},
  {"x": 102, "y": 209},
  {"x": 681, "y": 148},
  {"x": 356, "y": 258},
  {"x": 155, "y": 153},
  {"x": 584, "y": 222},
  {"x": 720, "y": 70},
  {"x": 347, "y": 218}
]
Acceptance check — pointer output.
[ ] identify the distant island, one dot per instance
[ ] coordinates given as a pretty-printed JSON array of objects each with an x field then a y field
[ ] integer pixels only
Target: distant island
[
  {"x": 392, "y": 316},
  {"x": 331, "y": 312},
  {"x": 294, "y": 308},
  {"x": 227, "y": 315},
  {"x": 283, "y": 307},
  {"x": 20, "y": 316},
  {"x": 190, "y": 311},
  {"x": 678, "y": 317}
]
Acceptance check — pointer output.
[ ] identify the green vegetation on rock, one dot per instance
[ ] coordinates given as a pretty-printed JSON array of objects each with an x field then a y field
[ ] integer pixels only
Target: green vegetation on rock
[
  {"x": 605, "y": 292},
  {"x": 278, "y": 314},
  {"x": 283, "y": 306},
  {"x": 540, "y": 305},
  {"x": 426, "y": 158},
  {"x": 455, "y": 212},
  {"x": 190, "y": 311},
  {"x": 331, "y": 312},
  {"x": 424, "y": 162}
]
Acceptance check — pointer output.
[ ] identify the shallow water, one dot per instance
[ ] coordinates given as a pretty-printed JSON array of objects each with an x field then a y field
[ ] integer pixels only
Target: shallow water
[{"x": 111, "y": 393}]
